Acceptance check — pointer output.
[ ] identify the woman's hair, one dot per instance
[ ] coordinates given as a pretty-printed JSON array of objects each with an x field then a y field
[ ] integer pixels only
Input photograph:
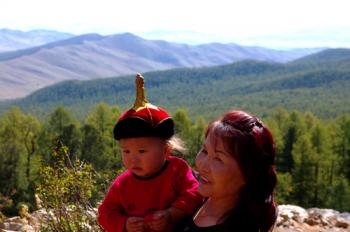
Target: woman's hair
[{"x": 251, "y": 144}]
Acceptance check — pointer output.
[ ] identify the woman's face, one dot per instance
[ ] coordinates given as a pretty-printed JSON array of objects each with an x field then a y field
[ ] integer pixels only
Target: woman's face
[{"x": 220, "y": 175}]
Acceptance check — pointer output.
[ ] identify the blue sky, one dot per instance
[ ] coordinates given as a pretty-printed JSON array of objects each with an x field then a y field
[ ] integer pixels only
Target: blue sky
[{"x": 269, "y": 23}]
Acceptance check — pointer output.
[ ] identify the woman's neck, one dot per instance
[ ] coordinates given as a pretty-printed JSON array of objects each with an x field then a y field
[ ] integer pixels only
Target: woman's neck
[
  {"x": 213, "y": 210},
  {"x": 220, "y": 206}
]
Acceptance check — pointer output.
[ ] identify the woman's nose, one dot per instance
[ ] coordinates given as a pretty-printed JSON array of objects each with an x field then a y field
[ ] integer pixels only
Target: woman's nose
[{"x": 202, "y": 163}]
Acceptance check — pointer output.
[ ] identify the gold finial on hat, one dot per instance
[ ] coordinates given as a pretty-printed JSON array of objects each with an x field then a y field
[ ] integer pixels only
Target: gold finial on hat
[{"x": 140, "y": 101}]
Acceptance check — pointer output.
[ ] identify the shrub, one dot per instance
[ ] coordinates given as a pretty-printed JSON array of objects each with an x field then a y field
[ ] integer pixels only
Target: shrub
[{"x": 65, "y": 190}]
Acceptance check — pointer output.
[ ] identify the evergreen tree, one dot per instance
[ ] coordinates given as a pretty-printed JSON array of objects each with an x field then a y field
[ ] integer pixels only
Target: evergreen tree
[
  {"x": 303, "y": 172},
  {"x": 196, "y": 139},
  {"x": 59, "y": 128},
  {"x": 284, "y": 188},
  {"x": 18, "y": 160},
  {"x": 293, "y": 128},
  {"x": 98, "y": 144},
  {"x": 324, "y": 164},
  {"x": 340, "y": 134},
  {"x": 58, "y": 120},
  {"x": 182, "y": 124},
  {"x": 31, "y": 128}
]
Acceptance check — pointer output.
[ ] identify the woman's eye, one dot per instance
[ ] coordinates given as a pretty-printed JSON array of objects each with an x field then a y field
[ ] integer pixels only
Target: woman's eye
[
  {"x": 126, "y": 151},
  {"x": 142, "y": 151},
  {"x": 204, "y": 151},
  {"x": 217, "y": 159}
]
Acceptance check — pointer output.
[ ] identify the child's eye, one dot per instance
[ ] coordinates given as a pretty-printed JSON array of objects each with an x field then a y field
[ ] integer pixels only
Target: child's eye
[
  {"x": 126, "y": 151},
  {"x": 142, "y": 151},
  {"x": 217, "y": 159}
]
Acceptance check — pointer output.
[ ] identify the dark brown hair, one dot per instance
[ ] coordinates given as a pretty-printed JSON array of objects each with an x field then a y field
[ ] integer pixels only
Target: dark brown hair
[{"x": 251, "y": 143}]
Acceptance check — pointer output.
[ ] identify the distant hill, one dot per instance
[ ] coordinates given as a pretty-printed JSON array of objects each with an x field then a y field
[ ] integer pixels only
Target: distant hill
[
  {"x": 11, "y": 40},
  {"x": 94, "y": 56},
  {"x": 255, "y": 86},
  {"x": 326, "y": 58}
]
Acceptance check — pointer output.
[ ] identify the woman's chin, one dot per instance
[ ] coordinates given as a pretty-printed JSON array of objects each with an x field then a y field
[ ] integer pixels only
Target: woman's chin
[{"x": 203, "y": 191}]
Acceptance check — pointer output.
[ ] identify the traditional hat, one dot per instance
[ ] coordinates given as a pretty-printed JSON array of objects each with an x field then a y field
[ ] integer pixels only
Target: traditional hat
[{"x": 143, "y": 119}]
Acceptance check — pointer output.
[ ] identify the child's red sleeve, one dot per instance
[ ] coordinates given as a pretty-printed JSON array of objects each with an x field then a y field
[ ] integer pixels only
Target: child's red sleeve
[
  {"x": 110, "y": 213},
  {"x": 186, "y": 186}
]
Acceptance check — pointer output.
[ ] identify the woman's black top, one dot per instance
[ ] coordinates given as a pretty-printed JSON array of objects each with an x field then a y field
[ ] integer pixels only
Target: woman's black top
[
  {"x": 230, "y": 225},
  {"x": 188, "y": 225}
]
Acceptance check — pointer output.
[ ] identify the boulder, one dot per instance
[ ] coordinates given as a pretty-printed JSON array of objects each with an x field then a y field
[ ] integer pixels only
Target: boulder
[{"x": 290, "y": 218}]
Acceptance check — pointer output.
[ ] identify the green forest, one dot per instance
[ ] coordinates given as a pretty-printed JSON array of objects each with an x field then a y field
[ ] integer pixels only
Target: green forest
[
  {"x": 313, "y": 155},
  {"x": 318, "y": 83},
  {"x": 57, "y": 143}
]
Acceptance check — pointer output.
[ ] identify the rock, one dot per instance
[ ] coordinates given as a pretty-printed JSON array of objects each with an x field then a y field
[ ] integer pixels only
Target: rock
[
  {"x": 15, "y": 226},
  {"x": 28, "y": 228},
  {"x": 345, "y": 216},
  {"x": 289, "y": 213},
  {"x": 342, "y": 224},
  {"x": 27, "y": 224},
  {"x": 294, "y": 218},
  {"x": 290, "y": 219}
]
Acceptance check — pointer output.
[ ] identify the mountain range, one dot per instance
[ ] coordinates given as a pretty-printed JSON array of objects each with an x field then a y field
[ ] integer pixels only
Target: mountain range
[
  {"x": 11, "y": 40},
  {"x": 92, "y": 56},
  {"x": 318, "y": 83}
]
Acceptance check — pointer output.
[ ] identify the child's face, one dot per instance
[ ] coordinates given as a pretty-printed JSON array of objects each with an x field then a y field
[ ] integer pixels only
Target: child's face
[{"x": 143, "y": 156}]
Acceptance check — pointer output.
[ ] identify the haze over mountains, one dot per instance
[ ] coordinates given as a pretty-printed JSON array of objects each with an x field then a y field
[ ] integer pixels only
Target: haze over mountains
[
  {"x": 92, "y": 56},
  {"x": 11, "y": 40}
]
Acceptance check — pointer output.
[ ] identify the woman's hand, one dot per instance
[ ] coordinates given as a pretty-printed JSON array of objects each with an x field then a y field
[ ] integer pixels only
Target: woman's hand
[{"x": 135, "y": 224}]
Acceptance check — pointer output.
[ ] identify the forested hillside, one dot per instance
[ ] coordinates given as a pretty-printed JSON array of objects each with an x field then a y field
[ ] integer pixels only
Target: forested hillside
[
  {"x": 311, "y": 127},
  {"x": 318, "y": 83},
  {"x": 313, "y": 157}
]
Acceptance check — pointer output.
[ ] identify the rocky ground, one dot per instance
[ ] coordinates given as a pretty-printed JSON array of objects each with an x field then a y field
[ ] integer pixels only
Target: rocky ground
[
  {"x": 290, "y": 219},
  {"x": 294, "y": 218}
]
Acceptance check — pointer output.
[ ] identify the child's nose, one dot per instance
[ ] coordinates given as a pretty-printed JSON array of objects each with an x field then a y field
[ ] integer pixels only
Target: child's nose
[{"x": 134, "y": 159}]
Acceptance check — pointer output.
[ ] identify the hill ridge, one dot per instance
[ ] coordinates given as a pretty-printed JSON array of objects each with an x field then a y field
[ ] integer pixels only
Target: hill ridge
[
  {"x": 251, "y": 85},
  {"x": 93, "y": 56}
]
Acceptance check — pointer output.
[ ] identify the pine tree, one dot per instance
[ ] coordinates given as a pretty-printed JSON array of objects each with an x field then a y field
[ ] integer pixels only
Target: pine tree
[
  {"x": 293, "y": 127},
  {"x": 60, "y": 127},
  {"x": 99, "y": 146},
  {"x": 18, "y": 158},
  {"x": 182, "y": 124},
  {"x": 303, "y": 172},
  {"x": 196, "y": 138}
]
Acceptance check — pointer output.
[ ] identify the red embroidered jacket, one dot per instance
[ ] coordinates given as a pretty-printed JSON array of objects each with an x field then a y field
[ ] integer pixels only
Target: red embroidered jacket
[{"x": 130, "y": 195}]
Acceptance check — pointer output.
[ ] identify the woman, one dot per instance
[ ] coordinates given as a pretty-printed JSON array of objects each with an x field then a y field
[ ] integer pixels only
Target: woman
[{"x": 236, "y": 176}]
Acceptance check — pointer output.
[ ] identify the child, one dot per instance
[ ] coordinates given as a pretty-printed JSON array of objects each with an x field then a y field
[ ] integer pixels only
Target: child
[{"x": 157, "y": 189}]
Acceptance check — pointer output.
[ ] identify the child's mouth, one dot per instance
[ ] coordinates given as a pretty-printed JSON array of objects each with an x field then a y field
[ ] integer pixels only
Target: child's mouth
[{"x": 136, "y": 169}]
